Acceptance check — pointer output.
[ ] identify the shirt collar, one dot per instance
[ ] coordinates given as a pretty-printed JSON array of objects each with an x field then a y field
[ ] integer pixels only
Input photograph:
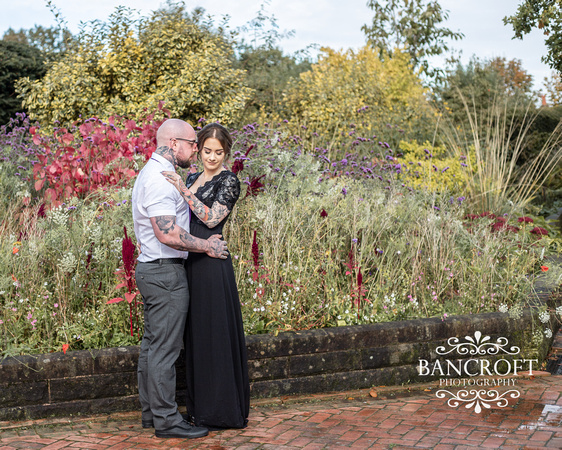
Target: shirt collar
[{"x": 164, "y": 161}]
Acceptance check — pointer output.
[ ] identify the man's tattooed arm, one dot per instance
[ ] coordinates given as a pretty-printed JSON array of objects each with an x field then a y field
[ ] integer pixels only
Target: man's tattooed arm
[
  {"x": 172, "y": 235},
  {"x": 209, "y": 216}
]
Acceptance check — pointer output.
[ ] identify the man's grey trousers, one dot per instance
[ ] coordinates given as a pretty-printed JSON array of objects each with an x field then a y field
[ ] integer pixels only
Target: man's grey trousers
[{"x": 166, "y": 298}]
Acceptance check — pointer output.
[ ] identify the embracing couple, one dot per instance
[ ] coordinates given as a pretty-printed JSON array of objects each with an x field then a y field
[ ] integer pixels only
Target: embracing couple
[{"x": 186, "y": 279}]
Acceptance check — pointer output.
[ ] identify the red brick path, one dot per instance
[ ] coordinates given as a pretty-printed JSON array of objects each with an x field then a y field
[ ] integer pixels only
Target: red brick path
[{"x": 396, "y": 418}]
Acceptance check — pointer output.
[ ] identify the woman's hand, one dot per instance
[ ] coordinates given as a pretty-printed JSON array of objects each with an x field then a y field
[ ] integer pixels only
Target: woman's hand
[{"x": 175, "y": 179}]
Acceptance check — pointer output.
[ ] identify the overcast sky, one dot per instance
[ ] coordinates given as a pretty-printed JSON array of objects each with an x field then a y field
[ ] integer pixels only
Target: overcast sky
[{"x": 330, "y": 23}]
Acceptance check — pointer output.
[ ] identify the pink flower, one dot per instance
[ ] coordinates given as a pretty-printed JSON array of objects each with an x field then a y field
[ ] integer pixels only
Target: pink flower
[{"x": 525, "y": 220}]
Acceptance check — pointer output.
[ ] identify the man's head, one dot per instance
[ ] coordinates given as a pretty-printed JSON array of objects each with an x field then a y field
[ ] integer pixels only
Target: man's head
[{"x": 176, "y": 141}]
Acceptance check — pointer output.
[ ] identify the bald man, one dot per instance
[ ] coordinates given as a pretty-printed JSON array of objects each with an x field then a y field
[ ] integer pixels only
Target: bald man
[{"x": 161, "y": 218}]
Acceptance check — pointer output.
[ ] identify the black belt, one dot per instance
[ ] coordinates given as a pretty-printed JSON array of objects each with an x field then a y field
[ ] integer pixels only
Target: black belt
[{"x": 166, "y": 261}]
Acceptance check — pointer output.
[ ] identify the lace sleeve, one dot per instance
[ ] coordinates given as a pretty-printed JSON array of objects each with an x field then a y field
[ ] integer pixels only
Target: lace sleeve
[{"x": 228, "y": 191}]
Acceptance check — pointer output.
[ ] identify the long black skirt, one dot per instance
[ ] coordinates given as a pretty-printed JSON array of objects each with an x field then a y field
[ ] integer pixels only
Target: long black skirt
[{"x": 218, "y": 391}]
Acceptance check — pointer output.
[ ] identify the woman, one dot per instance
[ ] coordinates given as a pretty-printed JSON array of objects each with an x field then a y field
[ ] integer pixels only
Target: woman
[{"x": 218, "y": 391}]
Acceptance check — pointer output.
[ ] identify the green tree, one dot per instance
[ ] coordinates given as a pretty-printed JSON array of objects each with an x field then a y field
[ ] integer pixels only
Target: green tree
[
  {"x": 126, "y": 65},
  {"x": 412, "y": 26},
  {"x": 553, "y": 86},
  {"x": 17, "y": 59},
  {"x": 481, "y": 83},
  {"x": 268, "y": 73},
  {"x": 545, "y": 15},
  {"x": 51, "y": 41}
]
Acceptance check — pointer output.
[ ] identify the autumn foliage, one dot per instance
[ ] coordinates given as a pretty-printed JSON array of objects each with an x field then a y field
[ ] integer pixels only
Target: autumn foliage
[{"x": 93, "y": 155}]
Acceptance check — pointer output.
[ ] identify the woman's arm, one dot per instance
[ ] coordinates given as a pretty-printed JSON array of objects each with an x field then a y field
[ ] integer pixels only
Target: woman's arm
[{"x": 211, "y": 217}]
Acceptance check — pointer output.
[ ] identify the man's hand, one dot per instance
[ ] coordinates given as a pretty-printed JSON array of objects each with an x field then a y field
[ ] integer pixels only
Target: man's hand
[{"x": 217, "y": 247}]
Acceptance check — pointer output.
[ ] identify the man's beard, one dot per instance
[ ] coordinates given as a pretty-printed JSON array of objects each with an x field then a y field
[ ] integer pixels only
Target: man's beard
[{"x": 184, "y": 164}]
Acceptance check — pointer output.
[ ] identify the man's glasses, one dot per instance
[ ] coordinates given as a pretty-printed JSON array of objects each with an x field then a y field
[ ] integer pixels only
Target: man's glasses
[{"x": 191, "y": 141}]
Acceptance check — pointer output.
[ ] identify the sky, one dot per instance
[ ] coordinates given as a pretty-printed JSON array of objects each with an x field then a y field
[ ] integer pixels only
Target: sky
[{"x": 326, "y": 23}]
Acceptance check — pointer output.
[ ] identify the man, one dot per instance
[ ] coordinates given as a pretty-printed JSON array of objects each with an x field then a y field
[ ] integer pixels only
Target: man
[{"x": 161, "y": 218}]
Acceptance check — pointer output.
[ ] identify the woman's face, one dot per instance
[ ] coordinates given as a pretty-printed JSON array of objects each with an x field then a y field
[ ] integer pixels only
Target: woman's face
[{"x": 212, "y": 154}]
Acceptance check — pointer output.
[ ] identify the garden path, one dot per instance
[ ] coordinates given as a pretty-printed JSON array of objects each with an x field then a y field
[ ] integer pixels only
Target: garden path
[{"x": 396, "y": 418}]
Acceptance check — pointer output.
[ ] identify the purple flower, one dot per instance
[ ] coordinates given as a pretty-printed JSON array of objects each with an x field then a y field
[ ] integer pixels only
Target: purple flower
[{"x": 344, "y": 191}]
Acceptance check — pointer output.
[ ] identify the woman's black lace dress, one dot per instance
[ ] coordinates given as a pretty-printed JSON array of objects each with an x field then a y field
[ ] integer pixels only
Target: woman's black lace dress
[{"x": 218, "y": 391}]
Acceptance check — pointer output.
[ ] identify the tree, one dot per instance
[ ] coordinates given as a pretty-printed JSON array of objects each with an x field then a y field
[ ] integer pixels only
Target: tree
[
  {"x": 411, "y": 26},
  {"x": 51, "y": 41},
  {"x": 553, "y": 86},
  {"x": 358, "y": 88},
  {"x": 482, "y": 83},
  {"x": 268, "y": 72},
  {"x": 545, "y": 15},
  {"x": 17, "y": 59},
  {"x": 127, "y": 65}
]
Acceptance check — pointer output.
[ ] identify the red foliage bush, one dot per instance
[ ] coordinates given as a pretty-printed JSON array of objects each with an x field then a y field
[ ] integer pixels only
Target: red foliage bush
[{"x": 74, "y": 164}]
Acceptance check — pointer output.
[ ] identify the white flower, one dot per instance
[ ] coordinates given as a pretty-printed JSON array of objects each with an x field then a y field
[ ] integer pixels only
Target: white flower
[
  {"x": 558, "y": 310},
  {"x": 548, "y": 333},
  {"x": 544, "y": 316},
  {"x": 503, "y": 308}
]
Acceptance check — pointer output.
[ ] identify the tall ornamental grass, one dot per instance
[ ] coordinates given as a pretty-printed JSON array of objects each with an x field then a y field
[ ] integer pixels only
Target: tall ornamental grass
[{"x": 496, "y": 141}]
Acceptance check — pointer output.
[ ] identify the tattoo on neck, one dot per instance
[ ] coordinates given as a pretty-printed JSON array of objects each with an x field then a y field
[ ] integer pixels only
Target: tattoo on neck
[{"x": 167, "y": 153}]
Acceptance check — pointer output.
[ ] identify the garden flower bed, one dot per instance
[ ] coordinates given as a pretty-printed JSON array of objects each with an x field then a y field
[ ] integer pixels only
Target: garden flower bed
[{"x": 316, "y": 242}]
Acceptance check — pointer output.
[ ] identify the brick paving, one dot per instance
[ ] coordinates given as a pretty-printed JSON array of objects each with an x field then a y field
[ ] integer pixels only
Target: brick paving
[{"x": 398, "y": 418}]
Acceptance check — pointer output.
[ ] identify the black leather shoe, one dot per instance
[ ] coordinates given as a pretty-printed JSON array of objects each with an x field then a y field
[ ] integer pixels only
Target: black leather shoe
[
  {"x": 182, "y": 430},
  {"x": 150, "y": 423}
]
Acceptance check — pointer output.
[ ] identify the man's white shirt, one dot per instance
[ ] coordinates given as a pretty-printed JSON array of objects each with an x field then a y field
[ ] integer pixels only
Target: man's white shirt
[{"x": 153, "y": 196}]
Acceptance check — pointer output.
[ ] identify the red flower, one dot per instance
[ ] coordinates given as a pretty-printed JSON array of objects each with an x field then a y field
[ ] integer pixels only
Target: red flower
[
  {"x": 502, "y": 224},
  {"x": 128, "y": 253},
  {"x": 41, "y": 212},
  {"x": 239, "y": 163},
  {"x": 471, "y": 216},
  {"x": 256, "y": 251},
  {"x": 255, "y": 186},
  {"x": 497, "y": 226},
  {"x": 525, "y": 219},
  {"x": 544, "y": 268},
  {"x": 539, "y": 231},
  {"x": 487, "y": 214},
  {"x": 323, "y": 213},
  {"x": 65, "y": 348}
]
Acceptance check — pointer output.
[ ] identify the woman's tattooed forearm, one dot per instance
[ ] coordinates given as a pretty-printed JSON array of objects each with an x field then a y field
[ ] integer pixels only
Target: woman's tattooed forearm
[{"x": 209, "y": 216}]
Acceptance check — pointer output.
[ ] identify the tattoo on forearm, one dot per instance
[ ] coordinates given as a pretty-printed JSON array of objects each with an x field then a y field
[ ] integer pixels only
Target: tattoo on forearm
[
  {"x": 187, "y": 240},
  {"x": 166, "y": 224},
  {"x": 209, "y": 216}
]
